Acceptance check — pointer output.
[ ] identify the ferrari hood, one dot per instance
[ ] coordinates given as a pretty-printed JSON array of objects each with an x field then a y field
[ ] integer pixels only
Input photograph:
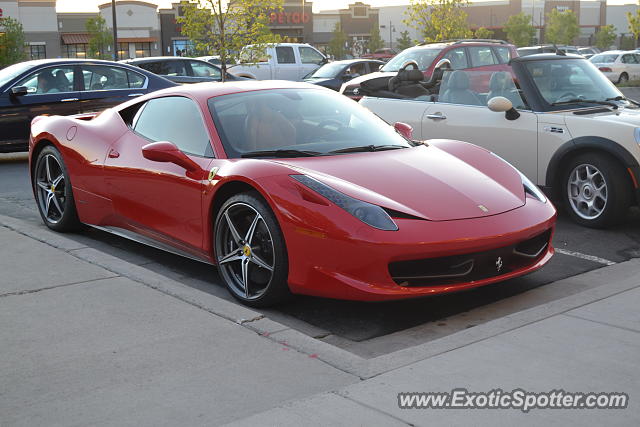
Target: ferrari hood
[{"x": 426, "y": 182}]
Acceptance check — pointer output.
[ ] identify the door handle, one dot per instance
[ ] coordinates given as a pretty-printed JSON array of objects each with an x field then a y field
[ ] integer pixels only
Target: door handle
[
  {"x": 69, "y": 100},
  {"x": 113, "y": 154},
  {"x": 135, "y": 94},
  {"x": 436, "y": 116}
]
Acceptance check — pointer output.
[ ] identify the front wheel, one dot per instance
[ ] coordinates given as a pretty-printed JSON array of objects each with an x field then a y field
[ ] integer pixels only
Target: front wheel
[
  {"x": 250, "y": 251},
  {"x": 595, "y": 192},
  {"x": 52, "y": 187}
]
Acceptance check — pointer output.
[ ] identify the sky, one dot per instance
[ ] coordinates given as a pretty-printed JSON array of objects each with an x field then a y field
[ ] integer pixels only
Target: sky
[{"x": 92, "y": 5}]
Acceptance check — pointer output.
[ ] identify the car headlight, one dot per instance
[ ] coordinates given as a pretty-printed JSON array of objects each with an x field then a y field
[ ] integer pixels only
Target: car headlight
[
  {"x": 532, "y": 189},
  {"x": 368, "y": 213},
  {"x": 529, "y": 187},
  {"x": 636, "y": 135}
]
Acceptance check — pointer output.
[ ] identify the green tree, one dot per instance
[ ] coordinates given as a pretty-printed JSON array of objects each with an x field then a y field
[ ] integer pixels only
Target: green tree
[
  {"x": 233, "y": 29},
  {"x": 483, "y": 33},
  {"x": 337, "y": 45},
  {"x": 100, "y": 38},
  {"x": 519, "y": 29},
  {"x": 375, "y": 41},
  {"x": 561, "y": 27},
  {"x": 605, "y": 37},
  {"x": 634, "y": 24},
  {"x": 12, "y": 44},
  {"x": 404, "y": 42},
  {"x": 439, "y": 20}
]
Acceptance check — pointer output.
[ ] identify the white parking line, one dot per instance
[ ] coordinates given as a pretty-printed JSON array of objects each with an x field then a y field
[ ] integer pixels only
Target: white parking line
[{"x": 585, "y": 256}]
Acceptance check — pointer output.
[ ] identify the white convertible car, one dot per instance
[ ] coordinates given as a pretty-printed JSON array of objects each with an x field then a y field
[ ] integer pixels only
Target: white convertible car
[{"x": 556, "y": 118}]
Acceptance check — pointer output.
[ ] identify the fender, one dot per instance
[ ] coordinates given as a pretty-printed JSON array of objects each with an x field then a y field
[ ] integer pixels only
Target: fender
[{"x": 585, "y": 143}]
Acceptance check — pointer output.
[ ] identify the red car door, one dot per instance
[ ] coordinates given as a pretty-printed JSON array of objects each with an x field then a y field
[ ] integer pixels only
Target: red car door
[{"x": 161, "y": 200}]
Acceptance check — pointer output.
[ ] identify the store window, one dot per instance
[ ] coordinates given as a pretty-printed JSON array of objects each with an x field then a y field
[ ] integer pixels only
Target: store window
[
  {"x": 143, "y": 50},
  {"x": 78, "y": 50},
  {"x": 38, "y": 51},
  {"x": 182, "y": 47},
  {"x": 123, "y": 51}
]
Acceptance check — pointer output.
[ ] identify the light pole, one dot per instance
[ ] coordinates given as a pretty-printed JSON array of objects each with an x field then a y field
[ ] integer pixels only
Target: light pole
[
  {"x": 115, "y": 30},
  {"x": 391, "y": 29}
]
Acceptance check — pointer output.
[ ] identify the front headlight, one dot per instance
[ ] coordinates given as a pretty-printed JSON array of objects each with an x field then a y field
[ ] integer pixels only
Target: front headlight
[
  {"x": 370, "y": 214},
  {"x": 532, "y": 189},
  {"x": 529, "y": 187}
]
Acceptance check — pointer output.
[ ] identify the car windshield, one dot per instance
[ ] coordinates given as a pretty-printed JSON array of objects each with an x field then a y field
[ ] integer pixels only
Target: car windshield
[
  {"x": 11, "y": 72},
  {"x": 293, "y": 122},
  {"x": 570, "y": 81},
  {"x": 424, "y": 58},
  {"x": 327, "y": 71},
  {"x": 604, "y": 59}
]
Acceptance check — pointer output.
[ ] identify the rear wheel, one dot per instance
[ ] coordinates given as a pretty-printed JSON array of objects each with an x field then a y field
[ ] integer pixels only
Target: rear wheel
[
  {"x": 250, "y": 251},
  {"x": 595, "y": 192},
  {"x": 52, "y": 188},
  {"x": 624, "y": 78}
]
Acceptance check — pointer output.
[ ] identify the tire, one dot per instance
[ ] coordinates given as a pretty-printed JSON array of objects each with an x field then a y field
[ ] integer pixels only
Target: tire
[
  {"x": 595, "y": 190},
  {"x": 624, "y": 78},
  {"x": 53, "y": 191},
  {"x": 251, "y": 253}
]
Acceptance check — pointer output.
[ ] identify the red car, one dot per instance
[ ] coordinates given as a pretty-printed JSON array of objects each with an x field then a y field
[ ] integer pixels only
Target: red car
[
  {"x": 473, "y": 54},
  {"x": 291, "y": 188},
  {"x": 381, "y": 54}
]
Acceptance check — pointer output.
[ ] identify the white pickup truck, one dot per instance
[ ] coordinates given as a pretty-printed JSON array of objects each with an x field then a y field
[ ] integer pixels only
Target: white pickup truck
[{"x": 282, "y": 61}]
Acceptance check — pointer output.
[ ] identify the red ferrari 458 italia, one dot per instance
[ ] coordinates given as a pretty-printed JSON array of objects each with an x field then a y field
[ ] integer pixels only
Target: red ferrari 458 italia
[{"x": 291, "y": 188}]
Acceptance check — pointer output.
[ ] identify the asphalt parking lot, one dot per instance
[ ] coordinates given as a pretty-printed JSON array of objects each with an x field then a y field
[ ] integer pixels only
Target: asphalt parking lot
[{"x": 368, "y": 329}]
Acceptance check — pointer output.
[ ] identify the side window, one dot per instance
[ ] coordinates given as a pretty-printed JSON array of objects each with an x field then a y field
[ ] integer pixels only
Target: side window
[
  {"x": 629, "y": 59},
  {"x": 98, "y": 77},
  {"x": 356, "y": 70},
  {"x": 458, "y": 58},
  {"x": 204, "y": 70},
  {"x": 152, "y": 67},
  {"x": 481, "y": 56},
  {"x": 136, "y": 81},
  {"x": 285, "y": 55},
  {"x": 49, "y": 80},
  {"x": 174, "y": 68},
  {"x": 310, "y": 56},
  {"x": 503, "y": 53},
  {"x": 175, "y": 119}
]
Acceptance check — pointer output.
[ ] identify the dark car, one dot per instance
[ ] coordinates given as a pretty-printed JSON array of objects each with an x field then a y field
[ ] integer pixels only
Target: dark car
[
  {"x": 181, "y": 70},
  {"x": 334, "y": 74},
  {"x": 64, "y": 87}
]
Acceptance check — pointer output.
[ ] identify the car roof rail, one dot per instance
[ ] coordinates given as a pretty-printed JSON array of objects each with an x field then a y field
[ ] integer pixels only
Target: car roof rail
[{"x": 479, "y": 40}]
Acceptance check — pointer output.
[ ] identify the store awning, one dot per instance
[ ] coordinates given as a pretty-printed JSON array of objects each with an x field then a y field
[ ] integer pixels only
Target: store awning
[{"x": 75, "y": 38}]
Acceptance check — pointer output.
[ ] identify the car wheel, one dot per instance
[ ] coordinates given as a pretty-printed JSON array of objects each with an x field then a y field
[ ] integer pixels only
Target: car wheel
[
  {"x": 624, "y": 78},
  {"x": 596, "y": 192},
  {"x": 52, "y": 188},
  {"x": 250, "y": 251}
]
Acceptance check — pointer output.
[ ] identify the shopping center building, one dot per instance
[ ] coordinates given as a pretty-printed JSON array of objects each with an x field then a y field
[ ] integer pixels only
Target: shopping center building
[{"x": 146, "y": 30}]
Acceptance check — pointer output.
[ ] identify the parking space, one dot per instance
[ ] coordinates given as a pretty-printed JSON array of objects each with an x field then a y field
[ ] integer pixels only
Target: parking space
[{"x": 370, "y": 329}]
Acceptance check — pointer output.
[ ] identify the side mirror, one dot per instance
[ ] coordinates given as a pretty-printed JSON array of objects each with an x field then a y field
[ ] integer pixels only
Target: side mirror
[
  {"x": 346, "y": 77},
  {"x": 501, "y": 104},
  {"x": 404, "y": 130},
  {"x": 323, "y": 61},
  {"x": 167, "y": 152},
  {"x": 19, "y": 90}
]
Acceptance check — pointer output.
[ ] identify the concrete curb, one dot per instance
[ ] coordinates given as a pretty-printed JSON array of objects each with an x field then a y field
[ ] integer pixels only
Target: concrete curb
[{"x": 625, "y": 275}]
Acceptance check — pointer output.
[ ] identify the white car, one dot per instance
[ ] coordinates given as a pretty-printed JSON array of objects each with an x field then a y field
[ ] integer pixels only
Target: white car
[
  {"x": 619, "y": 66},
  {"x": 282, "y": 61},
  {"x": 564, "y": 125}
]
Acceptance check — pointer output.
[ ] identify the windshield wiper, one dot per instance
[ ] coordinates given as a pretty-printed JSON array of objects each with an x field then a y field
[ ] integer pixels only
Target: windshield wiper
[
  {"x": 623, "y": 98},
  {"x": 366, "y": 148},
  {"x": 281, "y": 153},
  {"x": 587, "y": 101}
]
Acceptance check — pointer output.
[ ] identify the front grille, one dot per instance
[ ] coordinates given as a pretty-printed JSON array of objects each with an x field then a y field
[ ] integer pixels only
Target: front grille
[{"x": 445, "y": 271}]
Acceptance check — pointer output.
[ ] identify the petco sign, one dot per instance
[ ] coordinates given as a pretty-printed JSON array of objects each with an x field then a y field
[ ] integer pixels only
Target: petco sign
[{"x": 289, "y": 18}]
